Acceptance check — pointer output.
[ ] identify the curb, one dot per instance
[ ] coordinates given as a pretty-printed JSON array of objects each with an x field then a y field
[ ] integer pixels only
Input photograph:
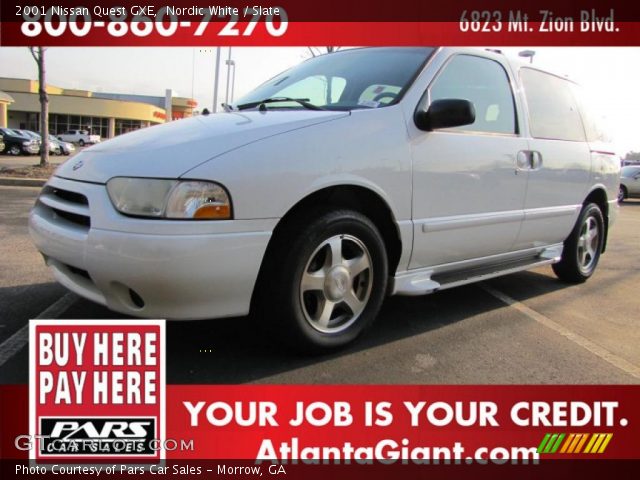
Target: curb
[{"x": 22, "y": 182}]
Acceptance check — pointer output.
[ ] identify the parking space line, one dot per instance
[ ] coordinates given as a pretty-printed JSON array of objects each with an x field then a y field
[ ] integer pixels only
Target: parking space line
[
  {"x": 18, "y": 340},
  {"x": 585, "y": 343}
]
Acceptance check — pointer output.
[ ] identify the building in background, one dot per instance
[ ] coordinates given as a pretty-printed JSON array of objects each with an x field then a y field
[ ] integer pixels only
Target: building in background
[
  {"x": 5, "y": 101},
  {"x": 104, "y": 114}
]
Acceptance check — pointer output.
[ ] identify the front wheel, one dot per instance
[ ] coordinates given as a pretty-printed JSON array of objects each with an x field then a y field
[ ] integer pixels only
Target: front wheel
[
  {"x": 15, "y": 150},
  {"x": 583, "y": 247},
  {"x": 622, "y": 194},
  {"x": 331, "y": 282},
  {"x": 81, "y": 143}
]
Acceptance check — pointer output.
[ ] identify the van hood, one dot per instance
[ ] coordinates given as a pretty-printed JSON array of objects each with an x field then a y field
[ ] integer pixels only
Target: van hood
[{"x": 171, "y": 149}]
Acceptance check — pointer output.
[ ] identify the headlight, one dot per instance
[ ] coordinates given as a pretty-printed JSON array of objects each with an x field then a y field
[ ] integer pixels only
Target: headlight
[
  {"x": 177, "y": 199},
  {"x": 27, "y": 143}
]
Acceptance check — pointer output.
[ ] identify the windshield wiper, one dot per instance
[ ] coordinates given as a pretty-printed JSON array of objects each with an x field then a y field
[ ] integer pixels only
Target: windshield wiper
[{"x": 262, "y": 103}]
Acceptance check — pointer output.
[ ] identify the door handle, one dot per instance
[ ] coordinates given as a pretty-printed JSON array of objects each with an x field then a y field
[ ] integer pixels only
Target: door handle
[
  {"x": 536, "y": 160},
  {"x": 523, "y": 161},
  {"x": 528, "y": 160}
]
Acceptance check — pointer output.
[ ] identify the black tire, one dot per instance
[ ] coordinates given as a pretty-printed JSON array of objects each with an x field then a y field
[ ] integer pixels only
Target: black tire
[
  {"x": 304, "y": 250},
  {"x": 622, "y": 194},
  {"x": 81, "y": 143},
  {"x": 581, "y": 251},
  {"x": 14, "y": 150}
]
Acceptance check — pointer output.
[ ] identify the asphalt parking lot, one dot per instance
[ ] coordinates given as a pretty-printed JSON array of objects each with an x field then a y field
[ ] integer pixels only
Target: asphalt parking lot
[{"x": 524, "y": 328}]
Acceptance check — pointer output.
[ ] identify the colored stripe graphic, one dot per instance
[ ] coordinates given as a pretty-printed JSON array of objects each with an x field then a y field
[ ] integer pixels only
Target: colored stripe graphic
[
  {"x": 605, "y": 443},
  {"x": 578, "y": 437},
  {"x": 569, "y": 441},
  {"x": 556, "y": 443},
  {"x": 543, "y": 443},
  {"x": 555, "y": 447},
  {"x": 581, "y": 443},
  {"x": 550, "y": 443},
  {"x": 592, "y": 440}
]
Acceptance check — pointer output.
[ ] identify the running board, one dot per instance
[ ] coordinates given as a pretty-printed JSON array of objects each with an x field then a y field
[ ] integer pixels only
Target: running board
[{"x": 426, "y": 281}]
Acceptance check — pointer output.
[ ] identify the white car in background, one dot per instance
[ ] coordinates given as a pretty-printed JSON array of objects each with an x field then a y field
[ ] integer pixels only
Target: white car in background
[
  {"x": 351, "y": 176},
  {"x": 66, "y": 148},
  {"x": 81, "y": 137},
  {"x": 629, "y": 183}
]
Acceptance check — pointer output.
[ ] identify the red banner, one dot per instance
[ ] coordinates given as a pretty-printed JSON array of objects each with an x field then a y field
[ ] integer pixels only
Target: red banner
[
  {"x": 288, "y": 23},
  {"x": 393, "y": 424},
  {"x": 319, "y": 33}
]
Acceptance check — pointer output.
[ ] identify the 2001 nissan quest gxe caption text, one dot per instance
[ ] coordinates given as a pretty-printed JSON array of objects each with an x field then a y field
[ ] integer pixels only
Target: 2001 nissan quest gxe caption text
[{"x": 348, "y": 177}]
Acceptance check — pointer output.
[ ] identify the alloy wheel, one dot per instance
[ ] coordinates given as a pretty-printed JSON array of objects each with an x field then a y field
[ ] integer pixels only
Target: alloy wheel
[
  {"x": 588, "y": 244},
  {"x": 336, "y": 283}
]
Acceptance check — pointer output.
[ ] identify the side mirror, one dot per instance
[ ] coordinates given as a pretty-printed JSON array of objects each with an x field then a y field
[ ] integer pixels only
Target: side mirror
[{"x": 445, "y": 113}]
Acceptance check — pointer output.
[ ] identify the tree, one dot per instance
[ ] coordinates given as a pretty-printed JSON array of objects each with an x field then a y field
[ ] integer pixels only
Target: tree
[
  {"x": 38, "y": 56},
  {"x": 315, "y": 51},
  {"x": 632, "y": 155}
]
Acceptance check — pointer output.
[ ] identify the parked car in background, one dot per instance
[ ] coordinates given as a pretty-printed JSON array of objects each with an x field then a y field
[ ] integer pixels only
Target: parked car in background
[
  {"x": 66, "y": 148},
  {"x": 54, "y": 147},
  {"x": 629, "y": 183},
  {"x": 16, "y": 143},
  {"x": 81, "y": 137},
  {"x": 418, "y": 170}
]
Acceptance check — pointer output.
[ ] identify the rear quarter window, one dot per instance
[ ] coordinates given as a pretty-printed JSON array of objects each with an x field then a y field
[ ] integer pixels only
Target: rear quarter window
[
  {"x": 554, "y": 112},
  {"x": 592, "y": 118}
]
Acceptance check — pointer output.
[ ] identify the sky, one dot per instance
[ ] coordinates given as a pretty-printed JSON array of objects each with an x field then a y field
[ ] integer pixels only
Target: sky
[{"x": 609, "y": 74}]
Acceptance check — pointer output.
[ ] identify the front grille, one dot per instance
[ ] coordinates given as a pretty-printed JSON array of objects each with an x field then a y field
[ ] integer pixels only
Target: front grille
[
  {"x": 73, "y": 217},
  {"x": 79, "y": 271},
  {"x": 72, "y": 197},
  {"x": 66, "y": 205}
]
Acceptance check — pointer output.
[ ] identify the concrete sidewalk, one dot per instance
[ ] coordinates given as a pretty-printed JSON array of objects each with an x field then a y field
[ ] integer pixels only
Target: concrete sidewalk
[
  {"x": 11, "y": 161},
  {"x": 23, "y": 161}
]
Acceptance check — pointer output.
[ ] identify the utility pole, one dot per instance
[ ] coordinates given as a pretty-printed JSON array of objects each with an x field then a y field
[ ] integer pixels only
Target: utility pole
[
  {"x": 226, "y": 98},
  {"x": 233, "y": 82},
  {"x": 216, "y": 80}
]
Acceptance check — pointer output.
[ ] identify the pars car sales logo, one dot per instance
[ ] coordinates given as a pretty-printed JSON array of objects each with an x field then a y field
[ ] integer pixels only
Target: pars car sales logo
[{"x": 97, "y": 389}]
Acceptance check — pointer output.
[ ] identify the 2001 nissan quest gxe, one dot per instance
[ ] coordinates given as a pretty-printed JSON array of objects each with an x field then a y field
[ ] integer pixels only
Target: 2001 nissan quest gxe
[{"x": 350, "y": 176}]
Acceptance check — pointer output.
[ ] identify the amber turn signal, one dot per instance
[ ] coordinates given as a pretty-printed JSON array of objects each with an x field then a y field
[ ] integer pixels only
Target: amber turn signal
[{"x": 214, "y": 211}]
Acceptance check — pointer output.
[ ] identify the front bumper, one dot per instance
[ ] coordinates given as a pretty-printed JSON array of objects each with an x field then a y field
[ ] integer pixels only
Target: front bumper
[
  {"x": 147, "y": 268},
  {"x": 31, "y": 149}
]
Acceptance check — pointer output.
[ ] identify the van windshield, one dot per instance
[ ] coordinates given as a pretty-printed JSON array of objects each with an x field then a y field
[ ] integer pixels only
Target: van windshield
[{"x": 346, "y": 80}]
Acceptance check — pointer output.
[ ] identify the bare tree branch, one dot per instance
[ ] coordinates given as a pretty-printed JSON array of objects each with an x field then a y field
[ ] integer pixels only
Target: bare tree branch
[{"x": 318, "y": 50}]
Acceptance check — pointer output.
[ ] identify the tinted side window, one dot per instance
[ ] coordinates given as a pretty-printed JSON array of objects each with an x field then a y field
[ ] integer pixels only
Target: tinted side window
[
  {"x": 484, "y": 83},
  {"x": 553, "y": 109}
]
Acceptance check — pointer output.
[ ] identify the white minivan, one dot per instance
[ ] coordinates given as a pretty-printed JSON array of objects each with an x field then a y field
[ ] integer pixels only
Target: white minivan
[{"x": 349, "y": 177}]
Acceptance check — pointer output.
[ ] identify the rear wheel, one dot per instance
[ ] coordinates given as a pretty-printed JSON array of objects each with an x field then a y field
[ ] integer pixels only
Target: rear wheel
[
  {"x": 81, "y": 143},
  {"x": 583, "y": 247},
  {"x": 330, "y": 283}
]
